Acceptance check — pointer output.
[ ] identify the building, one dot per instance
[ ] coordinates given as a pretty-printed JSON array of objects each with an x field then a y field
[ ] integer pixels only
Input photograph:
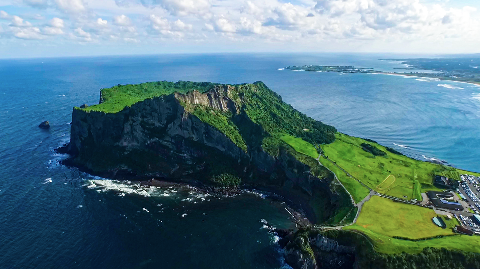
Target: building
[
  {"x": 445, "y": 182},
  {"x": 476, "y": 219},
  {"x": 439, "y": 200},
  {"x": 462, "y": 230}
]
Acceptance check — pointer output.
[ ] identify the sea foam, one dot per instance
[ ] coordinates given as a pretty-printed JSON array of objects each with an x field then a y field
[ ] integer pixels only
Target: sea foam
[{"x": 448, "y": 86}]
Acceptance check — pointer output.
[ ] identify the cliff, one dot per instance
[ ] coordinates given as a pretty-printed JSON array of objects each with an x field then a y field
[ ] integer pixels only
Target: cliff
[{"x": 212, "y": 134}]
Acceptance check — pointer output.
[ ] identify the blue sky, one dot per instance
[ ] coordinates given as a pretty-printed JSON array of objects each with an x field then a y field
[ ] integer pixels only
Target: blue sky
[{"x": 51, "y": 28}]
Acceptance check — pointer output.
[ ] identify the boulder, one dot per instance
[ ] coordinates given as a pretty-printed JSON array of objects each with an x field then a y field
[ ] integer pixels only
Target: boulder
[{"x": 44, "y": 125}]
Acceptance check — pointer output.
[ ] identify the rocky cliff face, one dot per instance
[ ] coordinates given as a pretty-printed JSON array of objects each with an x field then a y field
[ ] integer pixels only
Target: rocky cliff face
[{"x": 159, "y": 138}]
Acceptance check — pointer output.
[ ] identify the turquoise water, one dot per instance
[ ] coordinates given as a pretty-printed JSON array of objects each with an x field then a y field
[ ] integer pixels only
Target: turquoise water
[{"x": 57, "y": 217}]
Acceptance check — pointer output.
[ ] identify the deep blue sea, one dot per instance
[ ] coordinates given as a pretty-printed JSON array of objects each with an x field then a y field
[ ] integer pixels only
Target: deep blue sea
[{"x": 52, "y": 216}]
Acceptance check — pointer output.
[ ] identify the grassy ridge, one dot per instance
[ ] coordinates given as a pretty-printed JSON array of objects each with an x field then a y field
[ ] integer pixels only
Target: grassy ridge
[{"x": 116, "y": 98}]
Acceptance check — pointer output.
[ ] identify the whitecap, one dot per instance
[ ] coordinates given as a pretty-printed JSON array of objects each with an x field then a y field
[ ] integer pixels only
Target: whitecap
[
  {"x": 476, "y": 96},
  {"x": 281, "y": 69},
  {"x": 48, "y": 180},
  {"x": 448, "y": 86},
  {"x": 183, "y": 215},
  {"x": 79, "y": 206},
  {"x": 146, "y": 210},
  {"x": 298, "y": 70},
  {"x": 421, "y": 79},
  {"x": 402, "y": 146}
]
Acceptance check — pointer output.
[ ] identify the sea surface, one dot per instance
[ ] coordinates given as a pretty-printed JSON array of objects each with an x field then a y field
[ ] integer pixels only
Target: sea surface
[{"x": 52, "y": 216}]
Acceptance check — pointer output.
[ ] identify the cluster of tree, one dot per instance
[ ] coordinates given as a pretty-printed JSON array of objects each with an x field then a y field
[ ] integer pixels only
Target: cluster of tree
[
  {"x": 372, "y": 149},
  {"x": 394, "y": 151},
  {"x": 226, "y": 180}
]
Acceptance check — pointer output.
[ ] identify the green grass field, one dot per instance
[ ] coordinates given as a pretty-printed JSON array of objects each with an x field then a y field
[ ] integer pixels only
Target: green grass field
[
  {"x": 389, "y": 245},
  {"x": 386, "y": 183},
  {"x": 381, "y": 219},
  {"x": 386, "y": 217},
  {"x": 300, "y": 146},
  {"x": 372, "y": 170},
  {"x": 357, "y": 190}
]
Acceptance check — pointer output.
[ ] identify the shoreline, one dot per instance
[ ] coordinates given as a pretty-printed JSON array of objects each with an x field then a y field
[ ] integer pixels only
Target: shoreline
[{"x": 420, "y": 76}]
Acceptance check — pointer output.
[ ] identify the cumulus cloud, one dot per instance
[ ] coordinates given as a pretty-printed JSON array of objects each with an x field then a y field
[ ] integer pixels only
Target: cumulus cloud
[
  {"x": 71, "y": 6},
  {"x": 222, "y": 24},
  {"x": 81, "y": 35},
  {"x": 4, "y": 15},
  {"x": 122, "y": 20},
  {"x": 48, "y": 30},
  {"x": 165, "y": 27},
  {"x": 57, "y": 23},
  {"x": 19, "y": 22},
  {"x": 101, "y": 22},
  {"x": 176, "y": 7},
  {"x": 28, "y": 33},
  {"x": 289, "y": 16}
]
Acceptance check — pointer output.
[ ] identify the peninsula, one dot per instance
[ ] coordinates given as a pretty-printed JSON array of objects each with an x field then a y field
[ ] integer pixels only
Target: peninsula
[{"x": 367, "y": 203}]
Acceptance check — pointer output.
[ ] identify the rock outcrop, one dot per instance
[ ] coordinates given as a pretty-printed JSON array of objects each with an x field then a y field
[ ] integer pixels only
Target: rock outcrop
[{"x": 44, "y": 125}]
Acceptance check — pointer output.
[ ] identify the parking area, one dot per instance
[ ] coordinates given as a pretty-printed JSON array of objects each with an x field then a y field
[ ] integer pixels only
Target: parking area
[{"x": 469, "y": 188}]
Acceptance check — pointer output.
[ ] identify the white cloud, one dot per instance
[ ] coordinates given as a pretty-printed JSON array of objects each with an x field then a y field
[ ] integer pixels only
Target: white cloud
[
  {"x": 175, "y": 7},
  {"x": 175, "y": 29},
  {"x": 27, "y": 33},
  {"x": 81, "y": 35},
  {"x": 71, "y": 6},
  {"x": 101, "y": 22},
  {"x": 122, "y": 20},
  {"x": 222, "y": 24},
  {"x": 57, "y": 23},
  {"x": 48, "y": 30},
  {"x": 19, "y": 22},
  {"x": 4, "y": 15},
  {"x": 289, "y": 16}
]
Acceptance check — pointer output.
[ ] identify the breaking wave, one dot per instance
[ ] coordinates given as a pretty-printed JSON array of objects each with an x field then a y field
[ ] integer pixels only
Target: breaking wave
[{"x": 448, "y": 86}]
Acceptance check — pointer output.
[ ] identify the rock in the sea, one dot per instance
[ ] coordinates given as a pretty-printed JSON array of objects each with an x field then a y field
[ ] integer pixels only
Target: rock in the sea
[
  {"x": 84, "y": 106},
  {"x": 44, "y": 125}
]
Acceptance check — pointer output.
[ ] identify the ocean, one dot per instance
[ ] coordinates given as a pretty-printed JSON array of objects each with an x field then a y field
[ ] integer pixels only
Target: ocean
[{"x": 57, "y": 217}]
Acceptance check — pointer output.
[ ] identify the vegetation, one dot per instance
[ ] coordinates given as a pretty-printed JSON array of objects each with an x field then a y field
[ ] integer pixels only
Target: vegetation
[
  {"x": 357, "y": 190},
  {"x": 227, "y": 180},
  {"x": 300, "y": 146},
  {"x": 417, "y": 190},
  {"x": 348, "y": 153},
  {"x": 386, "y": 217},
  {"x": 115, "y": 99},
  {"x": 372, "y": 149}
]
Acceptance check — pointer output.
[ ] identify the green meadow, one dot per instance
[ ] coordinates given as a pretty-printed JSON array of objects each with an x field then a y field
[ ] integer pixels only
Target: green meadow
[{"x": 391, "y": 174}]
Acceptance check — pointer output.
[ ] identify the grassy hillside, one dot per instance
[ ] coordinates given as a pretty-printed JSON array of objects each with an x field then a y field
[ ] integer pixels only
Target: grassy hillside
[{"x": 391, "y": 174}]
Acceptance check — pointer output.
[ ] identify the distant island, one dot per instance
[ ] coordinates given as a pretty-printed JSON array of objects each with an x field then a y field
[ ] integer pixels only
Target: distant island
[
  {"x": 367, "y": 206},
  {"x": 453, "y": 69},
  {"x": 330, "y": 68}
]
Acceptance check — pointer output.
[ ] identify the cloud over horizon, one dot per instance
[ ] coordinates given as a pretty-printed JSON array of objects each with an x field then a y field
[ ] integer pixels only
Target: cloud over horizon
[{"x": 239, "y": 25}]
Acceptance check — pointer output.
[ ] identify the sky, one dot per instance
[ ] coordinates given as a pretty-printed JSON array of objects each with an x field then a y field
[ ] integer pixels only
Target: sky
[{"x": 57, "y": 28}]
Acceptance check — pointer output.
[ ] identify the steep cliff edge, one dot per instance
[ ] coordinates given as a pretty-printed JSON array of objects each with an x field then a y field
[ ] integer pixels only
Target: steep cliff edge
[{"x": 220, "y": 135}]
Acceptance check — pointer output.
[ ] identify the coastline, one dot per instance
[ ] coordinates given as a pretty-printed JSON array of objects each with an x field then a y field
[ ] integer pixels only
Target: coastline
[{"x": 420, "y": 76}]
